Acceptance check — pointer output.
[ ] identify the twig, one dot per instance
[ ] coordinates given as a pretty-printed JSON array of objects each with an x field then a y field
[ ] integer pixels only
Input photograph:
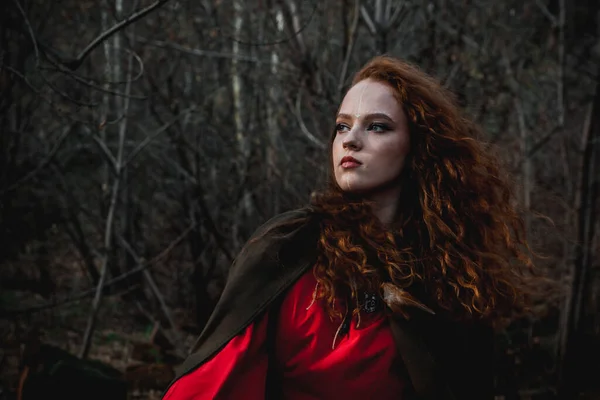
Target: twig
[
  {"x": 456, "y": 33},
  {"x": 63, "y": 94},
  {"x": 451, "y": 75},
  {"x": 106, "y": 151},
  {"x": 71, "y": 298},
  {"x": 57, "y": 67},
  {"x": 553, "y": 20},
  {"x": 395, "y": 17},
  {"x": 150, "y": 280},
  {"x": 368, "y": 20},
  {"x": 24, "y": 79},
  {"x": 293, "y": 10},
  {"x": 113, "y": 281},
  {"x": 35, "y": 46},
  {"x": 297, "y": 31},
  {"x": 560, "y": 84},
  {"x": 540, "y": 143},
  {"x": 211, "y": 53},
  {"x": 99, "y": 88},
  {"x": 199, "y": 52},
  {"x": 212, "y": 227},
  {"x": 109, "y": 228},
  {"x": 303, "y": 127},
  {"x": 74, "y": 64},
  {"x": 104, "y": 271},
  {"x": 353, "y": 32},
  {"x": 41, "y": 165},
  {"x": 151, "y": 137}
]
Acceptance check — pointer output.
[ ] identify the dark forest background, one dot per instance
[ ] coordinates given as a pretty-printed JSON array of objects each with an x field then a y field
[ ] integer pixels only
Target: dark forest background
[{"x": 141, "y": 143}]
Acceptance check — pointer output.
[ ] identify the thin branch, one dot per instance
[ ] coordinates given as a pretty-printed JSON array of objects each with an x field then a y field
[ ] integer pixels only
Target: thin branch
[
  {"x": 303, "y": 127},
  {"x": 561, "y": 64},
  {"x": 539, "y": 144},
  {"x": 43, "y": 164},
  {"x": 44, "y": 98},
  {"x": 104, "y": 271},
  {"x": 199, "y": 52},
  {"x": 113, "y": 281},
  {"x": 456, "y": 33},
  {"x": 106, "y": 152},
  {"x": 368, "y": 20},
  {"x": 293, "y": 9},
  {"x": 353, "y": 32},
  {"x": 297, "y": 32},
  {"x": 35, "y": 46},
  {"x": 513, "y": 84},
  {"x": 210, "y": 224},
  {"x": 68, "y": 299},
  {"x": 553, "y": 20},
  {"x": 151, "y": 137},
  {"x": 24, "y": 79},
  {"x": 80, "y": 79},
  {"x": 63, "y": 94},
  {"x": 109, "y": 228},
  {"x": 150, "y": 280},
  {"x": 57, "y": 67},
  {"x": 74, "y": 64},
  {"x": 395, "y": 17},
  {"x": 451, "y": 75}
]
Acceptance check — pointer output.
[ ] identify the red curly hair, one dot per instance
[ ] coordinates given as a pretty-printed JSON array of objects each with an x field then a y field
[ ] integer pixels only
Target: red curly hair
[{"x": 458, "y": 243}]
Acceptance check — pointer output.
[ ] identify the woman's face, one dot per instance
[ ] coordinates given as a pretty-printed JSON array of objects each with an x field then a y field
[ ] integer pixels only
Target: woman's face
[{"x": 372, "y": 139}]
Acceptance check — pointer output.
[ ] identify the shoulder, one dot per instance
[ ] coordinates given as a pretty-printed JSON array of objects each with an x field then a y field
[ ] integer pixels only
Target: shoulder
[
  {"x": 284, "y": 236},
  {"x": 275, "y": 257},
  {"x": 287, "y": 227},
  {"x": 285, "y": 222}
]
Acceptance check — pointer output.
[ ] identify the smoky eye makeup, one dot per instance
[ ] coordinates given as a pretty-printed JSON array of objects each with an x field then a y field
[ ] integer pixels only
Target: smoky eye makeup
[
  {"x": 339, "y": 127},
  {"x": 379, "y": 127}
]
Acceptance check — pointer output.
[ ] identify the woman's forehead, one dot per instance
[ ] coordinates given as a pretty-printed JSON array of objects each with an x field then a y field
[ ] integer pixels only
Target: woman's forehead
[{"x": 369, "y": 96}]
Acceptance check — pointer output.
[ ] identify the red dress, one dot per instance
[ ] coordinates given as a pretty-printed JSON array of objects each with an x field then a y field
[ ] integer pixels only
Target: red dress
[{"x": 362, "y": 365}]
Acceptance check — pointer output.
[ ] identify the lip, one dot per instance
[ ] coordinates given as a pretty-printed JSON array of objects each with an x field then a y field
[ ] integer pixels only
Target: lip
[{"x": 349, "y": 162}]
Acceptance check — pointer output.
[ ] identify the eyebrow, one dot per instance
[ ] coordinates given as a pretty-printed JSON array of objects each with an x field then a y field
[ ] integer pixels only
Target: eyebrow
[{"x": 367, "y": 116}]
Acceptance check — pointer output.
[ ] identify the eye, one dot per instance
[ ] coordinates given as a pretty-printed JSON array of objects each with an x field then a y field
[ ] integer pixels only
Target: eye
[
  {"x": 339, "y": 128},
  {"x": 379, "y": 128}
]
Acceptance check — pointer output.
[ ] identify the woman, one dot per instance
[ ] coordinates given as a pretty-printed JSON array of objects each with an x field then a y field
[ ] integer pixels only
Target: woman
[{"x": 388, "y": 285}]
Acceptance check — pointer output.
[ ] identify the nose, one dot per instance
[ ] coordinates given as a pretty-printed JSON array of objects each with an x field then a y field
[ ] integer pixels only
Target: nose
[{"x": 351, "y": 141}]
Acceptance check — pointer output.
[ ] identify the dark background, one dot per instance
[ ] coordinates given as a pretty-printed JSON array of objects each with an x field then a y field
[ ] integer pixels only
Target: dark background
[{"x": 141, "y": 143}]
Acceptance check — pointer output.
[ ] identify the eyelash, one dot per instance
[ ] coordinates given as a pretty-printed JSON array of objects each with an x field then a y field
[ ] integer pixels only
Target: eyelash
[
  {"x": 383, "y": 127},
  {"x": 339, "y": 127}
]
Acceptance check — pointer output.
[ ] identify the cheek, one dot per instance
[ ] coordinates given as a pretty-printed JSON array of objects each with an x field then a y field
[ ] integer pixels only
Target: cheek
[
  {"x": 402, "y": 146},
  {"x": 336, "y": 144},
  {"x": 395, "y": 148},
  {"x": 336, "y": 151},
  {"x": 403, "y": 141}
]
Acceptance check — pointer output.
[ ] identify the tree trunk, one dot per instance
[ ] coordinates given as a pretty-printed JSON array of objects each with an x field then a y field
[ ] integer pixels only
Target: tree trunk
[
  {"x": 273, "y": 102},
  {"x": 572, "y": 333},
  {"x": 239, "y": 117}
]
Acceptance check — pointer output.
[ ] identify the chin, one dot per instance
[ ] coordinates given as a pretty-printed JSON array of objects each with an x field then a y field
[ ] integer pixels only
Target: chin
[
  {"x": 357, "y": 190},
  {"x": 358, "y": 186}
]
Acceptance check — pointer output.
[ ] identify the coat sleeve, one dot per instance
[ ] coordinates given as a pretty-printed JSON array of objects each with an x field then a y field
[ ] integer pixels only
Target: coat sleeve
[{"x": 237, "y": 371}]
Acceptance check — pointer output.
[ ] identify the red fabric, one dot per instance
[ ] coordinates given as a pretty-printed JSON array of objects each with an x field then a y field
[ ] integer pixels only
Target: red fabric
[{"x": 362, "y": 364}]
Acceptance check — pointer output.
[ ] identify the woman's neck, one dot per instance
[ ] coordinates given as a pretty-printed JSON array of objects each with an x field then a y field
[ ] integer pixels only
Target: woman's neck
[{"x": 385, "y": 204}]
